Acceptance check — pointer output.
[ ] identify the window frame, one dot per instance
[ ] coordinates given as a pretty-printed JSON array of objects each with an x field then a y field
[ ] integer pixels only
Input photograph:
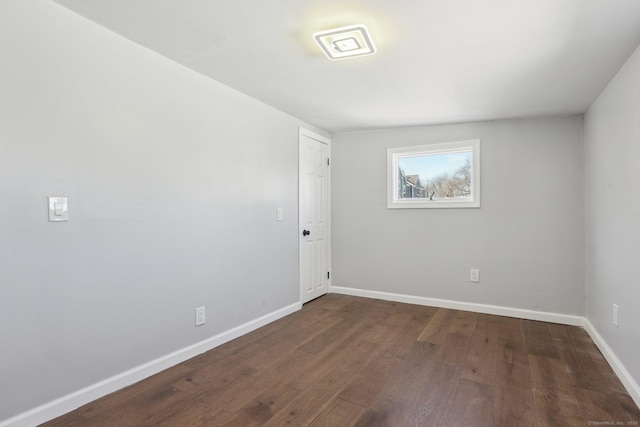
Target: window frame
[{"x": 395, "y": 154}]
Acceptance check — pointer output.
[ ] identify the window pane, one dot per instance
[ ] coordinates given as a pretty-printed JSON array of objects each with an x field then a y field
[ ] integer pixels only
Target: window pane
[{"x": 435, "y": 176}]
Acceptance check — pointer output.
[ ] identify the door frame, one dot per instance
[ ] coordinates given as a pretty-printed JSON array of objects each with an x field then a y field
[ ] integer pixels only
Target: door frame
[{"x": 325, "y": 140}]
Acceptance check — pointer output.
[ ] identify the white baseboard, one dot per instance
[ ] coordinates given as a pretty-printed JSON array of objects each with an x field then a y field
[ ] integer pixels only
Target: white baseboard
[
  {"x": 81, "y": 397},
  {"x": 625, "y": 377},
  {"x": 543, "y": 316}
]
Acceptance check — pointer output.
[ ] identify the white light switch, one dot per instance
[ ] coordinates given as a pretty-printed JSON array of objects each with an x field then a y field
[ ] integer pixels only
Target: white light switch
[
  {"x": 280, "y": 214},
  {"x": 58, "y": 209}
]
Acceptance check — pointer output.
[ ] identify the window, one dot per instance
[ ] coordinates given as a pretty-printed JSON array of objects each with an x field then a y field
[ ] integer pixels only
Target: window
[{"x": 434, "y": 176}]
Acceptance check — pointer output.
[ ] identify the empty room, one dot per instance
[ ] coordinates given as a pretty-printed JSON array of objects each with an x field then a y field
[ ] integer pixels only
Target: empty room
[{"x": 336, "y": 213}]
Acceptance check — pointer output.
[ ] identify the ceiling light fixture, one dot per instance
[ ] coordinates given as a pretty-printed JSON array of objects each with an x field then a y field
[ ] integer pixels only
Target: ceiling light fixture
[{"x": 345, "y": 42}]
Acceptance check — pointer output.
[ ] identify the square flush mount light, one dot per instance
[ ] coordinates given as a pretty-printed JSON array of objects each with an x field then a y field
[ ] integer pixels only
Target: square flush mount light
[{"x": 345, "y": 42}]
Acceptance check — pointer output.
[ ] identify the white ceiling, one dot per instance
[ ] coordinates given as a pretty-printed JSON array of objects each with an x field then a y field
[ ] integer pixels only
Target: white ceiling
[{"x": 438, "y": 61}]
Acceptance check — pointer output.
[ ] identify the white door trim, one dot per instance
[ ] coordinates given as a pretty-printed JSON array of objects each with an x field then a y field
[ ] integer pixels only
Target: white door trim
[{"x": 310, "y": 134}]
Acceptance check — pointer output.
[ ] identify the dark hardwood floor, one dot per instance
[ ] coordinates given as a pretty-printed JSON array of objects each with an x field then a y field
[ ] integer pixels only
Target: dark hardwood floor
[{"x": 346, "y": 361}]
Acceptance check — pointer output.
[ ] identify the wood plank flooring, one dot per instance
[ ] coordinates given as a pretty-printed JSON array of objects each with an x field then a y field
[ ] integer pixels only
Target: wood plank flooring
[{"x": 346, "y": 361}]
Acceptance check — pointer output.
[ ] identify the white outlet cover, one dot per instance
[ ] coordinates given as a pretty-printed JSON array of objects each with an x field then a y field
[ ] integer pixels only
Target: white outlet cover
[{"x": 200, "y": 316}]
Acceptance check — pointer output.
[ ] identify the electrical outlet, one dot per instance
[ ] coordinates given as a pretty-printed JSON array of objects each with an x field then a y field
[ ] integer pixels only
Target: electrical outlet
[
  {"x": 475, "y": 275},
  {"x": 615, "y": 314},
  {"x": 200, "y": 316}
]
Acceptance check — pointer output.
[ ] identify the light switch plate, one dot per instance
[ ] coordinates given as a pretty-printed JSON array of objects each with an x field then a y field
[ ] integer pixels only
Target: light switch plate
[
  {"x": 58, "y": 209},
  {"x": 280, "y": 214}
]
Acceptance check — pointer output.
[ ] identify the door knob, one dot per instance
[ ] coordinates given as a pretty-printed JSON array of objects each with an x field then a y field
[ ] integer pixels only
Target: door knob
[{"x": 306, "y": 232}]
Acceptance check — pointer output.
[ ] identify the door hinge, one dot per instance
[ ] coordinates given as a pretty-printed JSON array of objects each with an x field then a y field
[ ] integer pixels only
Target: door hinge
[
  {"x": 328, "y": 275},
  {"x": 328, "y": 161}
]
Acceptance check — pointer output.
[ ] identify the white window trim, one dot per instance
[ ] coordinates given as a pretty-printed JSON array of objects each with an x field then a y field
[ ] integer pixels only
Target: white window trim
[{"x": 394, "y": 154}]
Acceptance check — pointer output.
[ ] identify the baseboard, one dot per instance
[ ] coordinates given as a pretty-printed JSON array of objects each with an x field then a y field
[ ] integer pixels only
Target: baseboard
[
  {"x": 81, "y": 397},
  {"x": 625, "y": 377},
  {"x": 543, "y": 316}
]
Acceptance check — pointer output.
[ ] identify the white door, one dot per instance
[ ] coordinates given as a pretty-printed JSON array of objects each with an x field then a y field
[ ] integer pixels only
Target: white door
[{"x": 314, "y": 215}]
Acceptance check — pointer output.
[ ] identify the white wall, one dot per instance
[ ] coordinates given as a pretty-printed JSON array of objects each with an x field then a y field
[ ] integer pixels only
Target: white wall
[
  {"x": 527, "y": 238},
  {"x": 173, "y": 183},
  {"x": 612, "y": 147}
]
